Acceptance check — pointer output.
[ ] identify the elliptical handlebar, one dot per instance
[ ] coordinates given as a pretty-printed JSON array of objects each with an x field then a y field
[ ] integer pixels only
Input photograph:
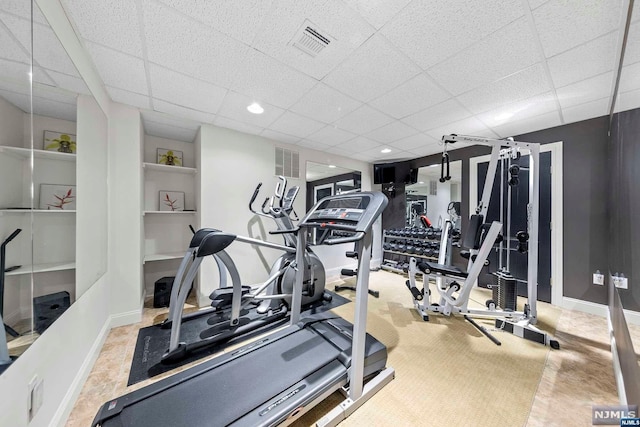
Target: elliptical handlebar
[{"x": 253, "y": 198}]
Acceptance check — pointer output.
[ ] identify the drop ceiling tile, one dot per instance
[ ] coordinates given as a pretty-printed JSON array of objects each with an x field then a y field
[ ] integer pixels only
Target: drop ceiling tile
[
  {"x": 520, "y": 110},
  {"x": 469, "y": 126},
  {"x": 363, "y": 157},
  {"x": 506, "y": 51},
  {"x": 595, "y": 57},
  {"x": 331, "y": 135},
  {"x": 181, "y": 111},
  {"x": 521, "y": 85},
  {"x": 410, "y": 97},
  {"x": 279, "y": 136},
  {"x": 635, "y": 15},
  {"x": 181, "y": 44},
  {"x": 238, "y": 19},
  {"x": 630, "y": 78},
  {"x": 586, "y": 111},
  {"x": 266, "y": 79},
  {"x": 129, "y": 98},
  {"x": 632, "y": 51},
  {"x": 533, "y": 4},
  {"x": 427, "y": 150},
  {"x": 169, "y": 120},
  {"x": 186, "y": 91},
  {"x": 531, "y": 124},
  {"x": 235, "y": 125},
  {"x": 235, "y": 106},
  {"x": 163, "y": 130},
  {"x": 586, "y": 91},
  {"x": 431, "y": 31},
  {"x": 372, "y": 70},
  {"x": 345, "y": 29},
  {"x": 314, "y": 145},
  {"x": 363, "y": 120},
  {"x": 111, "y": 23},
  {"x": 377, "y": 13},
  {"x": 564, "y": 24},
  {"x": 392, "y": 132},
  {"x": 11, "y": 49},
  {"x": 339, "y": 151},
  {"x": 412, "y": 142},
  {"x": 437, "y": 115},
  {"x": 53, "y": 93},
  {"x": 17, "y": 74},
  {"x": 110, "y": 64},
  {"x": 47, "y": 50},
  {"x": 295, "y": 124},
  {"x": 325, "y": 104},
  {"x": 70, "y": 83},
  {"x": 19, "y": 100},
  {"x": 23, "y": 9},
  {"x": 360, "y": 144},
  {"x": 628, "y": 101}
]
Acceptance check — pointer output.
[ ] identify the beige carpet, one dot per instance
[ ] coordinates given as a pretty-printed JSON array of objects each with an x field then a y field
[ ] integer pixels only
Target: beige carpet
[{"x": 447, "y": 372}]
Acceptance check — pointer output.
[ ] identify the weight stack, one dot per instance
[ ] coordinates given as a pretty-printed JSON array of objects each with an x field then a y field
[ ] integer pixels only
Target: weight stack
[
  {"x": 47, "y": 308},
  {"x": 505, "y": 291}
]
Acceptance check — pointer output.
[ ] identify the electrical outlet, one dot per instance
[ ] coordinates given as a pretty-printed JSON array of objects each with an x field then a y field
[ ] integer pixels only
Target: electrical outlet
[
  {"x": 598, "y": 278},
  {"x": 35, "y": 396}
]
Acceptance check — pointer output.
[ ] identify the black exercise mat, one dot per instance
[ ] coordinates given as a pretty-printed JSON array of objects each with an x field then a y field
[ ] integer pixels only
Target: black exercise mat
[{"x": 153, "y": 341}]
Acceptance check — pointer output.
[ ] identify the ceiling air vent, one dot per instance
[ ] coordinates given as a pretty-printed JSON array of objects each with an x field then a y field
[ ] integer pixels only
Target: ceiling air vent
[{"x": 310, "y": 40}]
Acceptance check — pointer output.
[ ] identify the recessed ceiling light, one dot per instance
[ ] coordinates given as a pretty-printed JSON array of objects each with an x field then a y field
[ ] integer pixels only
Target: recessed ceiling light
[
  {"x": 255, "y": 108},
  {"x": 421, "y": 182},
  {"x": 385, "y": 150},
  {"x": 332, "y": 166}
]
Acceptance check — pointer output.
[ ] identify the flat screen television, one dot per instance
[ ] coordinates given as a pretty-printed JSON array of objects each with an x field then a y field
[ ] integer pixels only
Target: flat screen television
[{"x": 384, "y": 174}]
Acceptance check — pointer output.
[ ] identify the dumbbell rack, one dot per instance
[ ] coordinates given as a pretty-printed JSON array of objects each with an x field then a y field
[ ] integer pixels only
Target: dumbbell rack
[{"x": 393, "y": 260}]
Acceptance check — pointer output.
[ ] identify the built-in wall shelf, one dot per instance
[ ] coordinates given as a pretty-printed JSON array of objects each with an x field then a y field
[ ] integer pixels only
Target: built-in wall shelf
[
  {"x": 168, "y": 212},
  {"x": 25, "y": 153},
  {"x": 167, "y": 168},
  {"x": 163, "y": 257},
  {"x": 36, "y": 211},
  {"x": 42, "y": 268}
]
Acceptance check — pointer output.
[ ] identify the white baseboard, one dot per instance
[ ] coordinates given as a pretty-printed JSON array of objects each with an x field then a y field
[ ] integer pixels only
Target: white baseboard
[
  {"x": 15, "y": 317},
  {"x": 602, "y": 310},
  {"x": 66, "y": 406},
  {"x": 128, "y": 318}
]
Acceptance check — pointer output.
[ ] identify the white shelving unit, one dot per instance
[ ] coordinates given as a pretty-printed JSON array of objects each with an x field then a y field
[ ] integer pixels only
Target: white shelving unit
[
  {"x": 51, "y": 232},
  {"x": 167, "y": 233}
]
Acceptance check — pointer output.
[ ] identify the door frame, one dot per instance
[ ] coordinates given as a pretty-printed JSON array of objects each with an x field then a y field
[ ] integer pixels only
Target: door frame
[{"x": 556, "y": 211}]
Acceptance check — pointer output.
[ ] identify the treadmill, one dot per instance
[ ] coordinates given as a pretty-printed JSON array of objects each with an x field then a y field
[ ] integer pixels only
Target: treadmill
[{"x": 276, "y": 379}]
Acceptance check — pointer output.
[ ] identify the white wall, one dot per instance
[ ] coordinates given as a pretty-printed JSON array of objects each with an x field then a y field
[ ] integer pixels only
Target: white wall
[
  {"x": 91, "y": 216},
  {"x": 231, "y": 165},
  {"x": 125, "y": 204},
  {"x": 11, "y": 125},
  {"x": 62, "y": 357},
  {"x": 42, "y": 123}
]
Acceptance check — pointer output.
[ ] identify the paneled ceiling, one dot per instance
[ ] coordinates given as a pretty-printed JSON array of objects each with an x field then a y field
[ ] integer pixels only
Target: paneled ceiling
[{"x": 396, "y": 74}]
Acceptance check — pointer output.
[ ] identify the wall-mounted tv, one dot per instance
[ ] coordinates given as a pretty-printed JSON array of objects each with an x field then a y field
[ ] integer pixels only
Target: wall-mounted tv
[{"x": 384, "y": 174}]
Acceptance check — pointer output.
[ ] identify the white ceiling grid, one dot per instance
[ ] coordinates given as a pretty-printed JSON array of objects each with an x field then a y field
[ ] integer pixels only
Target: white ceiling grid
[{"x": 397, "y": 73}]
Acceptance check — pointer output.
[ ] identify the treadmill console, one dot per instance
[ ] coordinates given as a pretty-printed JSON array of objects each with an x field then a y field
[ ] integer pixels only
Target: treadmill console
[{"x": 354, "y": 212}]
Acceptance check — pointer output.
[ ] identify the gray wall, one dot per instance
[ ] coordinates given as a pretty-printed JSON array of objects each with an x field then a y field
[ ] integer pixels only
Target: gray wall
[
  {"x": 624, "y": 202},
  {"x": 585, "y": 193}
]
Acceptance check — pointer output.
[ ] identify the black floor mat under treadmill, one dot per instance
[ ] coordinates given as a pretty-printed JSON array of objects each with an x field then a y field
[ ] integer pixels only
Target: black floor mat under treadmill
[{"x": 153, "y": 341}]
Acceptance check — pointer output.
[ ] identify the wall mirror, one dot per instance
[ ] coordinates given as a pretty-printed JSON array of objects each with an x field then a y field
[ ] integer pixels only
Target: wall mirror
[
  {"x": 44, "y": 177},
  {"x": 436, "y": 200}
]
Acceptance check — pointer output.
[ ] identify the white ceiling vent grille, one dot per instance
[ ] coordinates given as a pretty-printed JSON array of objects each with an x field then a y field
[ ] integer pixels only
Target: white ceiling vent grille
[
  {"x": 287, "y": 163},
  {"x": 310, "y": 39}
]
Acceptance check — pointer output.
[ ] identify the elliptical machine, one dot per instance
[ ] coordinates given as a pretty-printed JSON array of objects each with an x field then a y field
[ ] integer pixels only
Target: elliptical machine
[{"x": 239, "y": 309}]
